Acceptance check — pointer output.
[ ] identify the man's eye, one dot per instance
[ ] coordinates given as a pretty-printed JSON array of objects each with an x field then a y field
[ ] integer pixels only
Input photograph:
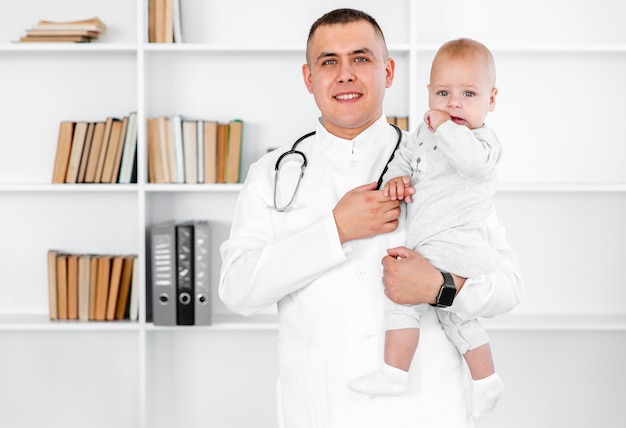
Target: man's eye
[
  {"x": 329, "y": 62},
  {"x": 442, "y": 93},
  {"x": 360, "y": 59}
]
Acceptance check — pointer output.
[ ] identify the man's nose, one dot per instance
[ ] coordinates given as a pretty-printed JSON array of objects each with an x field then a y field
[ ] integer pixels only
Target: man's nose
[{"x": 346, "y": 73}]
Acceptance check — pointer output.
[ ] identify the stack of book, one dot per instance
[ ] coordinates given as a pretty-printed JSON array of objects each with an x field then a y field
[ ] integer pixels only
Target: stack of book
[
  {"x": 89, "y": 287},
  {"x": 164, "y": 21},
  {"x": 71, "y": 31},
  {"x": 97, "y": 152},
  {"x": 179, "y": 290},
  {"x": 193, "y": 151}
]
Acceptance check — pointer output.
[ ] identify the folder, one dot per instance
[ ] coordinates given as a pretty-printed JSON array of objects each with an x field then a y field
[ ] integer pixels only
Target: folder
[
  {"x": 202, "y": 290},
  {"x": 163, "y": 272},
  {"x": 184, "y": 274}
]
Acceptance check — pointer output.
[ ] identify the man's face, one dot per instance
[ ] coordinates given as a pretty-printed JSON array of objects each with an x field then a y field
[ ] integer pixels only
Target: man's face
[{"x": 347, "y": 72}]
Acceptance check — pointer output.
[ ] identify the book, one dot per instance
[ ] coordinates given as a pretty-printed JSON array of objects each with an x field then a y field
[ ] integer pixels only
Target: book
[
  {"x": 46, "y": 32},
  {"x": 117, "y": 162},
  {"x": 222, "y": 151},
  {"x": 52, "y": 284},
  {"x": 117, "y": 263},
  {"x": 93, "y": 24},
  {"x": 64, "y": 148},
  {"x": 190, "y": 150},
  {"x": 155, "y": 165},
  {"x": 163, "y": 272},
  {"x": 94, "y": 152},
  {"x": 166, "y": 149},
  {"x": 202, "y": 287},
  {"x": 128, "y": 166},
  {"x": 72, "y": 287},
  {"x": 108, "y": 125},
  {"x": 62, "y": 286},
  {"x": 200, "y": 150},
  {"x": 102, "y": 287},
  {"x": 93, "y": 286},
  {"x": 55, "y": 39},
  {"x": 177, "y": 22},
  {"x": 168, "y": 25},
  {"x": 164, "y": 25},
  {"x": 113, "y": 148},
  {"x": 84, "y": 283},
  {"x": 152, "y": 18},
  {"x": 176, "y": 134},
  {"x": 78, "y": 144},
  {"x": 184, "y": 274},
  {"x": 84, "y": 159},
  {"x": 133, "y": 300},
  {"x": 125, "y": 284},
  {"x": 210, "y": 151},
  {"x": 233, "y": 156}
]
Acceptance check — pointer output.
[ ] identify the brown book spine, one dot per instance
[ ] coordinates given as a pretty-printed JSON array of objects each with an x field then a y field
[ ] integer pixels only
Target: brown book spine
[
  {"x": 62, "y": 286},
  {"x": 93, "y": 287},
  {"x": 103, "y": 149},
  {"x": 122, "y": 298},
  {"x": 114, "y": 286},
  {"x": 84, "y": 159},
  {"x": 72, "y": 287},
  {"x": 52, "y": 284},
  {"x": 102, "y": 287},
  {"x": 222, "y": 151},
  {"x": 64, "y": 148},
  {"x": 233, "y": 157}
]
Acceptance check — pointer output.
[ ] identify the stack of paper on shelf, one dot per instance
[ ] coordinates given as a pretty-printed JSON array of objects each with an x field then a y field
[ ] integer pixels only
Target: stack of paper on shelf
[{"x": 70, "y": 31}]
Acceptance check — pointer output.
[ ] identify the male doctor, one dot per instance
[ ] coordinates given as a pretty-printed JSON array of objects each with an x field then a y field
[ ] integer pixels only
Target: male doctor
[{"x": 318, "y": 256}]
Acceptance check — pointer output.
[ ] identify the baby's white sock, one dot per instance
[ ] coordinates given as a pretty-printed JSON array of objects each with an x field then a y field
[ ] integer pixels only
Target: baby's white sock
[
  {"x": 388, "y": 380},
  {"x": 487, "y": 393}
]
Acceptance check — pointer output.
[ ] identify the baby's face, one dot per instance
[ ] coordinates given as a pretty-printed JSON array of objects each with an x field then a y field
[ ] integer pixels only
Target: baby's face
[{"x": 464, "y": 89}]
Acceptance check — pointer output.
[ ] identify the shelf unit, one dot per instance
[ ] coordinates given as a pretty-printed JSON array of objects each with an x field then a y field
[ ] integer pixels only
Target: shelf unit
[{"x": 561, "y": 197}]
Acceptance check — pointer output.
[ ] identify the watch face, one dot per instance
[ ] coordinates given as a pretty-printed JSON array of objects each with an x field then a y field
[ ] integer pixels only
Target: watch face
[{"x": 446, "y": 295}]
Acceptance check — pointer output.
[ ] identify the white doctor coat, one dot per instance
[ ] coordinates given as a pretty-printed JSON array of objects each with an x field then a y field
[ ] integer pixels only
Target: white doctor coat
[{"x": 330, "y": 297}]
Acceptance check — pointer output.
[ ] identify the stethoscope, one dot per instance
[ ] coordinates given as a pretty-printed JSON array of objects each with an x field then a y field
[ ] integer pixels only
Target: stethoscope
[{"x": 304, "y": 162}]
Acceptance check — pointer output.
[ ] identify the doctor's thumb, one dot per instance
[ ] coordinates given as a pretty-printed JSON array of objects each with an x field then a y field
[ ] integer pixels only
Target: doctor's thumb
[{"x": 398, "y": 252}]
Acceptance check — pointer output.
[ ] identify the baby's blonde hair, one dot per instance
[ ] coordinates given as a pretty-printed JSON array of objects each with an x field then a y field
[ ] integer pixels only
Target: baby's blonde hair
[{"x": 467, "y": 48}]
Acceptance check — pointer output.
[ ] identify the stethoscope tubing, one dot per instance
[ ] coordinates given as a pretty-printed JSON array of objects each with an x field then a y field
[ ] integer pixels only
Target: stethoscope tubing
[{"x": 293, "y": 151}]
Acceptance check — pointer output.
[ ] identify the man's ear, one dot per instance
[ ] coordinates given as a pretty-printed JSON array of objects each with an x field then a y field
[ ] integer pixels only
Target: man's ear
[{"x": 306, "y": 75}]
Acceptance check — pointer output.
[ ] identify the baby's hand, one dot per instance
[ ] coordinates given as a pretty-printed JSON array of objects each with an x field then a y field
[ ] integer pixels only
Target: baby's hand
[
  {"x": 399, "y": 188},
  {"x": 434, "y": 118}
]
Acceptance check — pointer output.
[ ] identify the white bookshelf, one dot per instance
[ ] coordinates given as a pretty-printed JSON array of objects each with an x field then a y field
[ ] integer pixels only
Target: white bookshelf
[{"x": 562, "y": 196}]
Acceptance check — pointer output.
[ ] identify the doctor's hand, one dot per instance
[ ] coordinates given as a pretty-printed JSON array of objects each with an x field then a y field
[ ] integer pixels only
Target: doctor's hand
[
  {"x": 411, "y": 279},
  {"x": 364, "y": 212}
]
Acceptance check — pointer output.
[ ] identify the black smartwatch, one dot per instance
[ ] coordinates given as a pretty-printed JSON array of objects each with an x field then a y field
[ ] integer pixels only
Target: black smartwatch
[{"x": 446, "y": 292}]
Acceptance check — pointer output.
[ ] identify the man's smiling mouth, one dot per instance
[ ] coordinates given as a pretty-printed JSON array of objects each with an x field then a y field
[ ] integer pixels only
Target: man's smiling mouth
[{"x": 345, "y": 97}]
